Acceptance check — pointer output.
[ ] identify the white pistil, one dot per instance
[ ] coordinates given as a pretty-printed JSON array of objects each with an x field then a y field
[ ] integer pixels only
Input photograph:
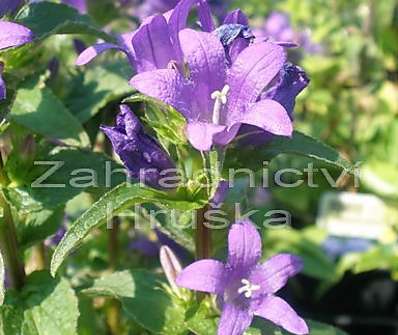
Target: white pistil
[
  {"x": 248, "y": 288},
  {"x": 220, "y": 100}
]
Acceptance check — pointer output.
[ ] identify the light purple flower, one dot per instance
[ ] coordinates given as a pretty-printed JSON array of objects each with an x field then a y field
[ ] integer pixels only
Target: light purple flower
[
  {"x": 217, "y": 100},
  {"x": 11, "y": 35},
  {"x": 245, "y": 288},
  {"x": 80, "y": 5},
  {"x": 140, "y": 153},
  {"x": 8, "y": 6}
]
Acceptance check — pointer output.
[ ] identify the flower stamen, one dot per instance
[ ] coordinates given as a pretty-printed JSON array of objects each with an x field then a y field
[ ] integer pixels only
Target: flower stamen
[
  {"x": 220, "y": 100},
  {"x": 248, "y": 288}
]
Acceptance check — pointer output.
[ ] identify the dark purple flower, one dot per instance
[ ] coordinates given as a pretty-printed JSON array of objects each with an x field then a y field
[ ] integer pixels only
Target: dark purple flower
[
  {"x": 245, "y": 288},
  {"x": 8, "y": 6},
  {"x": 11, "y": 35},
  {"x": 145, "y": 246},
  {"x": 141, "y": 154},
  {"x": 80, "y": 5}
]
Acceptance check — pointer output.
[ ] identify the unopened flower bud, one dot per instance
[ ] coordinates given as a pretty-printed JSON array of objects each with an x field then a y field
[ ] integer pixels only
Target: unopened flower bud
[{"x": 171, "y": 266}]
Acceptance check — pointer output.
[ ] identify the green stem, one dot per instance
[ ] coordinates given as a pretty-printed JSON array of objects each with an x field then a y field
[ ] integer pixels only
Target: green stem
[
  {"x": 9, "y": 246},
  {"x": 113, "y": 244},
  {"x": 203, "y": 235},
  {"x": 113, "y": 311},
  {"x": 8, "y": 237}
]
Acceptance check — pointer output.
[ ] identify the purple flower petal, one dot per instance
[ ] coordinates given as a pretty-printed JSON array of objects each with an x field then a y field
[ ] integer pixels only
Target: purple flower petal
[
  {"x": 279, "y": 312},
  {"x": 275, "y": 272},
  {"x": 292, "y": 80},
  {"x": 80, "y": 5},
  {"x": 152, "y": 45},
  {"x": 93, "y": 51},
  {"x": 178, "y": 21},
  {"x": 201, "y": 134},
  {"x": 13, "y": 35},
  {"x": 253, "y": 70},
  {"x": 234, "y": 320},
  {"x": 206, "y": 276},
  {"x": 168, "y": 86},
  {"x": 237, "y": 47},
  {"x": 205, "y": 18},
  {"x": 244, "y": 246},
  {"x": 124, "y": 44},
  {"x": 270, "y": 116},
  {"x": 221, "y": 193},
  {"x": 206, "y": 59},
  {"x": 236, "y": 16}
]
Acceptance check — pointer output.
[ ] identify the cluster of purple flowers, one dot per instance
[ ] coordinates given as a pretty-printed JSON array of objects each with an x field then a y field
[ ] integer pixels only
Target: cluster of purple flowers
[
  {"x": 225, "y": 82},
  {"x": 228, "y": 84}
]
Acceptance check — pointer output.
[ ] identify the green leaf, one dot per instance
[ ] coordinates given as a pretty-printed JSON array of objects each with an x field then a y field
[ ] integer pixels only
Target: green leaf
[
  {"x": 47, "y": 18},
  {"x": 300, "y": 144},
  {"x": 112, "y": 203},
  {"x": 38, "y": 109},
  {"x": 45, "y": 306},
  {"x": 143, "y": 299},
  {"x": 39, "y": 225},
  {"x": 64, "y": 173},
  {"x": 97, "y": 86},
  {"x": 2, "y": 278},
  {"x": 202, "y": 321}
]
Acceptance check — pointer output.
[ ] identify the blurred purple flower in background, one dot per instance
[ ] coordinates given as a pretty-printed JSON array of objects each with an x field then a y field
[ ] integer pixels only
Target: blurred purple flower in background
[
  {"x": 279, "y": 28},
  {"x": 9, "y": 6},
  {"x": 11, "y": 35},
  {"x": 54, "y": 240},
  {"x": 336, "y": 247},
  {"x": 141, "y": 154},
  {"x": 80, "y": 5},
  {"x": 243, "y": 287},
  {"x": 151, "y": 246}
]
